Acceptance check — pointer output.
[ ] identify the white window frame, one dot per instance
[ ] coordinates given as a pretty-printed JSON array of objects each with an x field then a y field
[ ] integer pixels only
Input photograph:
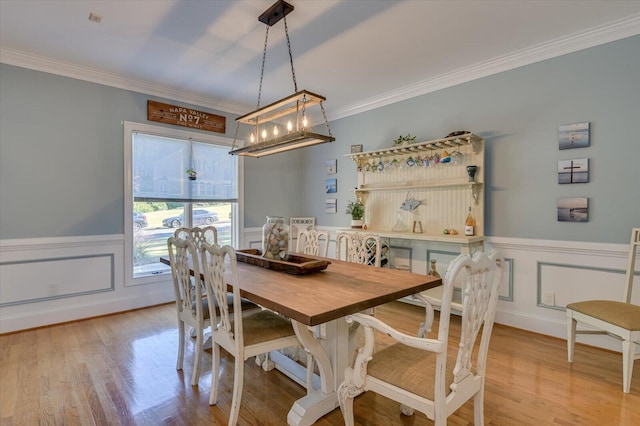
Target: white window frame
[{"x": 237, "y": 214}]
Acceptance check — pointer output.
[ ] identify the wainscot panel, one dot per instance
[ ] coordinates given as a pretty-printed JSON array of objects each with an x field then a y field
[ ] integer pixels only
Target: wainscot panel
[{"x": 45, "y": 281}]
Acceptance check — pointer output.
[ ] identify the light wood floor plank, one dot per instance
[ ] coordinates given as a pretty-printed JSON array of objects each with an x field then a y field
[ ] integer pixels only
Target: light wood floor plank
[{"x": 120, "y": 370}]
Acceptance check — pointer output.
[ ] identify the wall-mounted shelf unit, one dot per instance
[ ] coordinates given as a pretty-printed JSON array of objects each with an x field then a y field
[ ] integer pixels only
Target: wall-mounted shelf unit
[{"x": 389, "y": 176}]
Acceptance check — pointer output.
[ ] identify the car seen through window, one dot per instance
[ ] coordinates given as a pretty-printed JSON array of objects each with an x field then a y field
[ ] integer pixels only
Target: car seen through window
[{"x": 200, "y": 217}]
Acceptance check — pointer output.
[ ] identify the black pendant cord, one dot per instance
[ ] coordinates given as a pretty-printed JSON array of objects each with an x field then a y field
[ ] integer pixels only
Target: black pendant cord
[
  {"x": 293, "y": 71},
  {"x": 326, "y": 122},
  {"x": 264, "y": 58}
]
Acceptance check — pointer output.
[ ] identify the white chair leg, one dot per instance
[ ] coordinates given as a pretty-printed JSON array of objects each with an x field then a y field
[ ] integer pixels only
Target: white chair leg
[
  {"x": 180, "y": 361},
  {"x": 571, "y": 335},
  {"x": 478, "y": 407},
  {"x": 628, "y": 352},
  {"x": 195, "y": 376},
  {"x": 215, "y": 372},
  {"x": 238, "y": 381}
]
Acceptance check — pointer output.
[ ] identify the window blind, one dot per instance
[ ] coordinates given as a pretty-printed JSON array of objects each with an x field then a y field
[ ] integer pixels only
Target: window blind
[{"x": 160, "y": 164}]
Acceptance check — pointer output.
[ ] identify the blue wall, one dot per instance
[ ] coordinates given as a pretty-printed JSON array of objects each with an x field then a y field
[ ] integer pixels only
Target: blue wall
[
  {"x": 61, "y": 149},
  {"x": 518, "y": 113},
  {"x": 62, "y": 156}
]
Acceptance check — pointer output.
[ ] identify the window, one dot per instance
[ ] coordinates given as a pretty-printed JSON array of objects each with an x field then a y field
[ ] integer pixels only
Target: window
[{"x": 161, "y": 197}]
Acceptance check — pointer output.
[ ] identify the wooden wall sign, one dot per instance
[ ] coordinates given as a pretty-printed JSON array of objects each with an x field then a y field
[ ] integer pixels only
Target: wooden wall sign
[{"x": 186, "y": 117}]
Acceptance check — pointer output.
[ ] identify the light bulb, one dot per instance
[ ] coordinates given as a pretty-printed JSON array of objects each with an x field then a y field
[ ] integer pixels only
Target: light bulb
[
  {"x": 304, "y": 121},
  {"x": 252, "y": 138},
  {"x": 264, "y": 134},
  {"x": 289, "y": 126},
  {"x": 275, "y": 131}
]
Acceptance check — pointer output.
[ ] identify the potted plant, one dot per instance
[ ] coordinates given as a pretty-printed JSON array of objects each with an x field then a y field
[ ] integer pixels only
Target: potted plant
[
  {"x": 356, "y": 210},
  {"x": 192, "y": 173},
  {"x": 404, "y": 140}
]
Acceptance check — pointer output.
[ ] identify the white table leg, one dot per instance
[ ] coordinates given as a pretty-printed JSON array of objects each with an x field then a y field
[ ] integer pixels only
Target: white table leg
[{"x": 331, "y": 358}]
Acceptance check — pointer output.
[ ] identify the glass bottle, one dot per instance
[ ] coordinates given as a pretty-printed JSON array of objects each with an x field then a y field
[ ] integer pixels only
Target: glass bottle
[
  {"x": 433, "y": 271},
  {"x": 469, "y": 224},
  {"x": 275, "y": 239}
]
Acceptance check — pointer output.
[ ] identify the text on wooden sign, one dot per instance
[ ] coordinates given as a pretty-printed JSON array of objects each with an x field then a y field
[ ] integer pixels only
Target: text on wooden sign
[{"x": 186, "y": 117}]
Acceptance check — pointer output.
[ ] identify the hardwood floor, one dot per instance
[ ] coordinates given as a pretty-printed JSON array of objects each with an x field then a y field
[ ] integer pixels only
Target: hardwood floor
[{"x": 120, "y": 370}]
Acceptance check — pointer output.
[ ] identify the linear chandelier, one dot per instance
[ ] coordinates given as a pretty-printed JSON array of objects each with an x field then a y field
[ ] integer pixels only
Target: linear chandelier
[{"x": 283, "y": 125}]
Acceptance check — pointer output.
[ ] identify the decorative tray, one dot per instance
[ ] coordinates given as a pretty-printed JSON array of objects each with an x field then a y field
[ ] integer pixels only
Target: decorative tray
[{"x": 297, "y": 265}]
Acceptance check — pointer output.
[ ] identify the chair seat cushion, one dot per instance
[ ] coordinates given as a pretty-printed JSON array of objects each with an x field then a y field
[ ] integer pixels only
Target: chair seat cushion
[
  {"x": 410, "y": 369},
  {"x": 264, "y": 326},
  {"x": 624, "y": 315}
]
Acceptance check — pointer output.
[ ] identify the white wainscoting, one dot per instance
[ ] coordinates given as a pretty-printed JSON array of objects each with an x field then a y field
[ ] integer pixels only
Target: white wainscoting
[{"x": 46, "y": 281}]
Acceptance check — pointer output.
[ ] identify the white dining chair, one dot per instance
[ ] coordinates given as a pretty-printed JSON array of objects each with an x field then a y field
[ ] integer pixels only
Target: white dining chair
[
  {"x": 297, "y": 224},
  {"x": 241, "y": 336},
  {"x": 429, "y": 374},
  {"x": 359, "y": 247},
  {"x": 192, "y": 308},
  {"x": 313, "y": 242},
  {"x": 208, "y": 234},
  {"x": 619, "y": 319},
  {"x": 365, "y": 249}
]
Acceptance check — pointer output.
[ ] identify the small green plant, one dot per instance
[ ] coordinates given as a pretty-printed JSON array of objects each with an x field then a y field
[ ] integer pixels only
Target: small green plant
[
  {"x": 355, "y": 209},
  {"x": 192, "y": 173},
  {"x": 402, "y": 139}
]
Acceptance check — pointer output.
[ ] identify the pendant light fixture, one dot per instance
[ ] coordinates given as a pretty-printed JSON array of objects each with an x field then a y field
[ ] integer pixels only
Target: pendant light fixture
[{"x": 283, "y": 125}]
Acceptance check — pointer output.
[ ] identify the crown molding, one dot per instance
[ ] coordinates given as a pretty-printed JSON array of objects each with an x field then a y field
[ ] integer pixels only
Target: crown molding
[
  {"x": 51, "y": 66},
  {"x": 616, "y": 30}
]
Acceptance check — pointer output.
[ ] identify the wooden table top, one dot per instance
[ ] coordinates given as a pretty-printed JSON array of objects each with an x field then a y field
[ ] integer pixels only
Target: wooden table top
[{"x": 341, "y": 289}]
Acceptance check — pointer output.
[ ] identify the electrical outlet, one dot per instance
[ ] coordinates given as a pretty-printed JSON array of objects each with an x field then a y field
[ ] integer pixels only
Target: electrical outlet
[{"x": 549, "y": 298}]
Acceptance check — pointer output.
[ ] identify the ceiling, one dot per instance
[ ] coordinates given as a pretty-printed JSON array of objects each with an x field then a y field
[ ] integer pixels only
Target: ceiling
[{"x": 359, "y": 54}]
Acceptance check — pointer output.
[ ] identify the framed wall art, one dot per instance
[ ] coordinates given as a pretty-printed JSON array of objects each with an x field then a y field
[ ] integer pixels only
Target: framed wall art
[
  {"x": 573, "y": 171},
  {"x": 573, "y": 209},
  {"x": 574, "y": 135},
  {"x": 331, "y": 166},
  {"x": 331, "y": 205},
  {"x": 331, "y": 186}
]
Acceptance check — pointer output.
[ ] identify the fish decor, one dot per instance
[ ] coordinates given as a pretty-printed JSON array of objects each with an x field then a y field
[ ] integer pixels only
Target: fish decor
[{"x": 410, "y": 204}]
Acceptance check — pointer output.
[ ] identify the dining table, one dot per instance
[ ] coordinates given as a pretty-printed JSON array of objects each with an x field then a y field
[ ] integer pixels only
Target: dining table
[{"x": 324, "y": 298}]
